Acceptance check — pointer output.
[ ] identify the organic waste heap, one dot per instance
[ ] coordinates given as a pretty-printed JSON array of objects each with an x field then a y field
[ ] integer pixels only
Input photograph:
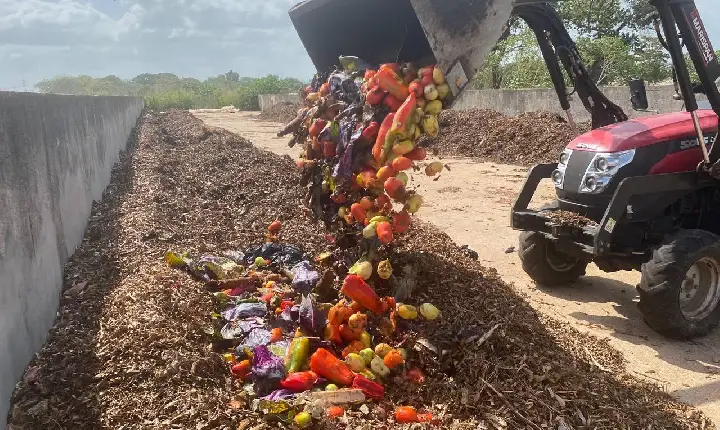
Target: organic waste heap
[{"x": 290, "y": 331}]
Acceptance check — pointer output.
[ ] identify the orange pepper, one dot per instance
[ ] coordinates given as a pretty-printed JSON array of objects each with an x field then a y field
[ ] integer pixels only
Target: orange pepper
[
  {"x": 417, "y": 154},
  {"x": 348, "y": 334},
  {"x": 358, "y": 290},
  {"x": 242, "y": 369},
  {"x": 384, "y": 232},
  {"x": 332, "y": 333},
  {"x": 389, "y": 81},
  {"x": 406, "y": 414},
  {"x": 377, "y": 150},
  {"x": 330, "y": 367},
  {"x": 401, "y": 163},
  {"x": 393, "y": 359},
  {"x": 335, "y": 411},
  {"x": 276, "y": 335}
]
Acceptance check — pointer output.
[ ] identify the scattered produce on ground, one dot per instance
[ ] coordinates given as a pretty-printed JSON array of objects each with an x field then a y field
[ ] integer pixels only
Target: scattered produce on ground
[{"x": 130, "y": 344}]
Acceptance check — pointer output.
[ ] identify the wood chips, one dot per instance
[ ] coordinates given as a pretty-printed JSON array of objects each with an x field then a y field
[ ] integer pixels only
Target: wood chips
[{"x": 130, "y": 350}]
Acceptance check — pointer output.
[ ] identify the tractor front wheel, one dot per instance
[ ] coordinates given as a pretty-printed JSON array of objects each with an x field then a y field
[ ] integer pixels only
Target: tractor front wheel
[
  {"x": 680, "y": 286},
  {"x": 545, "y": 264}
]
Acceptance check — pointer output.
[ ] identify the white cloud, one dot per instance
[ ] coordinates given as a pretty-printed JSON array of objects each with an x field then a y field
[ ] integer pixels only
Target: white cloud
[{"x": 198, "y": 38}]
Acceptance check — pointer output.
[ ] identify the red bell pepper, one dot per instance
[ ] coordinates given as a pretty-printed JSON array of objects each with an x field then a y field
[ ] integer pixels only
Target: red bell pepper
[
  {"x": 393, "y": 103},
  {"x": 358, "y": 290},
  {"x": 316, "y": 127},
  {"x": 375, "y": 96},
  {"x": 389, "y": 81},
  {"x": 369, "y": 388},
  {"x": 384, "y": 233},
  {"x": 330, "y": 367},
  {"x": 404, "y": 115},
  {"x": 332, "y": 333},
  {"x": 299, "y": 381},
  {"x": 377, "y": 150},
  {"x": 371, "y": 131}
]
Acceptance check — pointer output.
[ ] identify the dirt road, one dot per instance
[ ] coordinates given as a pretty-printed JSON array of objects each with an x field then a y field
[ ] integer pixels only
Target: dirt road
[{"x": 471, "y": 204}]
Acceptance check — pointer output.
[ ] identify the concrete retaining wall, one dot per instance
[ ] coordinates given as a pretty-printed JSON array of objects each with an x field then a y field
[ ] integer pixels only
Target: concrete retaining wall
[
  {"x": 514, "y": 102},
  {"x": 268, "y": 100},
  {"x": 56, "y": 153}
]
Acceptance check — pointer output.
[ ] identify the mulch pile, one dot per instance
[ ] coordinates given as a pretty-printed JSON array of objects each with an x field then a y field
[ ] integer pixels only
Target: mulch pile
[
  {"x": 281, "y": 113},
  {"x": 524, "y": 140},
  {"x": 130, "y": 345}
]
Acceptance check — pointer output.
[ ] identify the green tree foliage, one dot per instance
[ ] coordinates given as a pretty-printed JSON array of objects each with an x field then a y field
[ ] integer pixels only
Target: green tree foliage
[
  {"x": 165, "y": 90},
  {"x": 614, "y": 37}
]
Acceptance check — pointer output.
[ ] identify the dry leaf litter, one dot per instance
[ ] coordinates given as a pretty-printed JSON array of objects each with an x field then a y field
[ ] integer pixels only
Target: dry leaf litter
[{"x": 131, "y": 345}]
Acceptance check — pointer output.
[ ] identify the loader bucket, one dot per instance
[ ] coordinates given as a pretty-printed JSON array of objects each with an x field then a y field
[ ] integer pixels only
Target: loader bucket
[{"x": 456, "y": 35}]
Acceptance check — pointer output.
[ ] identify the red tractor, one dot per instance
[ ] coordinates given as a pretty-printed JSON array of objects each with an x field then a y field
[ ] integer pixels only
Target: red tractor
[{"x": 648, "y": 188}]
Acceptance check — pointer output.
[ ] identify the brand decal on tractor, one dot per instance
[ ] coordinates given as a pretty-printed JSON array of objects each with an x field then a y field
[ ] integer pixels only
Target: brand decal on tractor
[
  {"x": 706, "y": 47},
  {"x": 691, "y": 143}
]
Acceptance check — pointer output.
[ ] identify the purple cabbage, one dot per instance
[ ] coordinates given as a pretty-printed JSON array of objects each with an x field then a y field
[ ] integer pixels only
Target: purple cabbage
[
  {"x": 244, "y": 310},
  {"x": 304, "y": 277},
  {"x": 309, "y": 317}
]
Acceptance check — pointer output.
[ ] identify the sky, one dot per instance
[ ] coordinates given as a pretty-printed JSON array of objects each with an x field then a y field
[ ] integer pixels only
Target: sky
[{"x": 193, "y": 38}]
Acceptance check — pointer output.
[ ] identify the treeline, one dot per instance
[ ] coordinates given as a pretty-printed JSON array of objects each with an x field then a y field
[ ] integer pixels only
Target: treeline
[
  {"x": 616, "y": 39},
  {"x": 163, "y": 91}
]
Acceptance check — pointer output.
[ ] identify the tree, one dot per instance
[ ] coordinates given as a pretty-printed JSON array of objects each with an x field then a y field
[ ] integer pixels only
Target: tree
[
  {"x": 613, "y": 37},
  {"x": 166, "y": 90}
]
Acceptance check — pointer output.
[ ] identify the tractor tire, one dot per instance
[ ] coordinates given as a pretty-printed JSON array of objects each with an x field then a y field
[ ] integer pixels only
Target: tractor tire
[
  {"x": 544, "y": 264},
  {"x": 680, "y": 286}
]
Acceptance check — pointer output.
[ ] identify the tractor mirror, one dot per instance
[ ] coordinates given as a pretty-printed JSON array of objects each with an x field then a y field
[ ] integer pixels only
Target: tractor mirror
[{"x": 638, "y": 94}]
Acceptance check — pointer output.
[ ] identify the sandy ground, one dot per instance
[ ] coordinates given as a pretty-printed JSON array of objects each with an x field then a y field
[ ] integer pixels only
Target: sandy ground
[{"x": 471, "y": 203}]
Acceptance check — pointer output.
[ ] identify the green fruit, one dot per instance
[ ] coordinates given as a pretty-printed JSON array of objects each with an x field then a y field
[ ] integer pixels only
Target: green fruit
[
  {"x": 260, "y": 262},
  {"x": 331, "y": 387},
  {"x": 367, "y": 355},
  {"x": 355, "y": 362},
  {"x": 303, "y": 420}
]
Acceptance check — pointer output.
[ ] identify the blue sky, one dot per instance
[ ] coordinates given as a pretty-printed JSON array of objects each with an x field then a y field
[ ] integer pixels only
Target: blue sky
[{"x": 195, "y": 38}]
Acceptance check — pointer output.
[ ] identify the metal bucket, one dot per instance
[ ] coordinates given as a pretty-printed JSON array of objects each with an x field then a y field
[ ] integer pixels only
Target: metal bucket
[{"x": 456, "y": 35}]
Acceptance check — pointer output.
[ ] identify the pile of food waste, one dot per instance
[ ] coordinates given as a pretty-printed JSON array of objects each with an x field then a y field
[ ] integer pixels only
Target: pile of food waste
[
  {"x": 304, "y": 350},
  {"x": 336, "y": 339}
]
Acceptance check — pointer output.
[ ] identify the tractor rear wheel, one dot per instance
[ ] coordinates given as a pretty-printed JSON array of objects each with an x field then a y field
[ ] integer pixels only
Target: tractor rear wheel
[
  {"x": 545, "y": 264},
  {"x": 680, "y": 286}
]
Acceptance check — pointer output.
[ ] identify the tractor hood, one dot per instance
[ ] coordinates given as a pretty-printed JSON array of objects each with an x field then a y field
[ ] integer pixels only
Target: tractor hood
[{"x": 644, "y": 131}]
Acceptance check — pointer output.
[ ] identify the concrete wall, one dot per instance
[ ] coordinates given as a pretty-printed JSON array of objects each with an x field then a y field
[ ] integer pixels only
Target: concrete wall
[
  {"x": 514, "y": 102},
  {"x": 268, "y": 100},
  {"x": 56, "y": 153}
]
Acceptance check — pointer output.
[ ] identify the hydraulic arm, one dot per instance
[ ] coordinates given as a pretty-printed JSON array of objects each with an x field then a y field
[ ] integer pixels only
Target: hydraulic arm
[{"x": 556, "y": 44}]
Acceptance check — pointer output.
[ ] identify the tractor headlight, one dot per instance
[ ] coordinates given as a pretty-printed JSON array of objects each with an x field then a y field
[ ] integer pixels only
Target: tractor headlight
[
  {"x": 558, "y": 176},
  {"x": 602, "y": 169}
]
